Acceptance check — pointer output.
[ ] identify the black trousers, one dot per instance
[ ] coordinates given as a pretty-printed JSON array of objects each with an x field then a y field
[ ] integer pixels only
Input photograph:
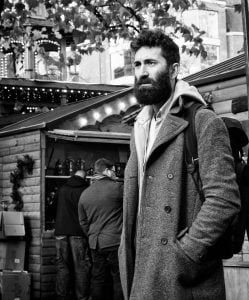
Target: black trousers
[{"x": 105, "y": 280}]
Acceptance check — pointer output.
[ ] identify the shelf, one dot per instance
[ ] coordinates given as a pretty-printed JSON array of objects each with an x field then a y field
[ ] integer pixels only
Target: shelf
[
  {"x": 90, "y": 136},
  {"x": 63, "y": 176},
  {"x": 56, "y": 176},
  {"x": 66, "y": 177}
]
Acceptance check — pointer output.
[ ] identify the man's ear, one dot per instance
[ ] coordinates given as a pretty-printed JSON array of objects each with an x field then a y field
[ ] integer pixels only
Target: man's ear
[{"x": 174, "y": 70}]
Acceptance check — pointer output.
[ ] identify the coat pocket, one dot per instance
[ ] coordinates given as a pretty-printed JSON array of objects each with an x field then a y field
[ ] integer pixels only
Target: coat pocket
[{"x": 188, "y": 272}]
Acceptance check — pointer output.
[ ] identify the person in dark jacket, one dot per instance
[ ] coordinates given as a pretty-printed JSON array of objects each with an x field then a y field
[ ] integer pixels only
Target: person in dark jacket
[
  {"x": 72, "y": 260},
  {"x": 100, "y": 216}
]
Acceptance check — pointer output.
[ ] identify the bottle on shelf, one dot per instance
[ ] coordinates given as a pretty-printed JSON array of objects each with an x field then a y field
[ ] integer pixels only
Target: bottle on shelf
[
  {"x": 58, "y": 170},
  {"x": 80, "y": 164}
]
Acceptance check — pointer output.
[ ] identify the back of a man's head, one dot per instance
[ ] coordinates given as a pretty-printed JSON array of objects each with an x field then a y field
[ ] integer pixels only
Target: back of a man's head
[
  {"x": 80, "y": 173},
  {"x": 101, "y": 165},
  {"x": 157, "y": 38}
]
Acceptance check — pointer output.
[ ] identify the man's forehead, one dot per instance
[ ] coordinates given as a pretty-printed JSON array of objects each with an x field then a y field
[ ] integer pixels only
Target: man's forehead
[{"x": 148, "y": 53}]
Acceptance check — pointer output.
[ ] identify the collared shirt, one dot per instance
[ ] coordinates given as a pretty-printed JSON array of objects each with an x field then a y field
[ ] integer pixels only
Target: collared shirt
[{"x": 155, "y": 125}]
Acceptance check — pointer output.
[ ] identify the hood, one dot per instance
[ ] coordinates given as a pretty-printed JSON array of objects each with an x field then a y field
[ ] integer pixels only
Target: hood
[
  {"x": 97, "y": 177},
  {"x": 76, "y": 181},
  {"x": 182, "y": 88}
]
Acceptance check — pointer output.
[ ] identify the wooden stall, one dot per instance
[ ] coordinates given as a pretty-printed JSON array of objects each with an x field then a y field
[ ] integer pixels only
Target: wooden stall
[
  {"x": 82, "y": 130},
  {"x": 224, "y": 86}
]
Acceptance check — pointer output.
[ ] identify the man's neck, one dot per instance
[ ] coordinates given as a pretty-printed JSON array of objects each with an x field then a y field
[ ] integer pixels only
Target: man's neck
[{"x": 156, "y": 107}]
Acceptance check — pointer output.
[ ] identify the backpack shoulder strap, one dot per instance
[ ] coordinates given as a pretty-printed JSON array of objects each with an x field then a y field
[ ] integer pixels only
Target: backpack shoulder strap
[{"x": 191, "y": 154}]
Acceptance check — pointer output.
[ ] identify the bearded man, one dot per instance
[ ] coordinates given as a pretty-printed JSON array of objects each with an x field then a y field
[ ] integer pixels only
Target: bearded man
[{"x": 169, "y": 244}]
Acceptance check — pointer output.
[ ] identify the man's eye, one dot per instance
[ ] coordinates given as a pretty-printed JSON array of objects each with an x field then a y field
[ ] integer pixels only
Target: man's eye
[{"x": 151, "y": 63}]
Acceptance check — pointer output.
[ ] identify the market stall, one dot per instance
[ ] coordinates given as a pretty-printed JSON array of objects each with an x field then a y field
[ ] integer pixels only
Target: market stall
[
  {"x": 78, "y": 133},
  {"x": 224, "y": 85}
]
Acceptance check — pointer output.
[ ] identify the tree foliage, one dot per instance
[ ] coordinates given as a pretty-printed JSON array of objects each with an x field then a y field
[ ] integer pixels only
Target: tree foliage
[{"x": 90, "y": 22}]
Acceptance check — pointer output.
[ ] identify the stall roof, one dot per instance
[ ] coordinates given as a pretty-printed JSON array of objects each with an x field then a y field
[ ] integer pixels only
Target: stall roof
[
  {"x": 13, "y": 118},
  {"x": 47, "y": 119},
  {"x": 91, "y": 136},
  {"x": 61, "y": 85},
  {"x": 230, "y": 68}
]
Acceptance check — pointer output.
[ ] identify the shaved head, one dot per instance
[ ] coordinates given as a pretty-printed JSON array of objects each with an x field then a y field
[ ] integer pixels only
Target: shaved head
[{"x": 81, "y": 173}]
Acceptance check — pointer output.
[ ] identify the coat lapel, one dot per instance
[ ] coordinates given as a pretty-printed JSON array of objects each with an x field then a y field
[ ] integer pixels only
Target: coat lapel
[{"x": 171, "y": 127}]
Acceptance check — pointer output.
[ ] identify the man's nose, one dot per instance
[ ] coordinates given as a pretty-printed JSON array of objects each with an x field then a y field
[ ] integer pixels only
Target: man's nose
[{"x": 143, "y": 72}]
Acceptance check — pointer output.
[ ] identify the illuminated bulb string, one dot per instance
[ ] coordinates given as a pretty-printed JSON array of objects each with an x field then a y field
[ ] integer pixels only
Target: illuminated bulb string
[{"x": 44, "y": 96}]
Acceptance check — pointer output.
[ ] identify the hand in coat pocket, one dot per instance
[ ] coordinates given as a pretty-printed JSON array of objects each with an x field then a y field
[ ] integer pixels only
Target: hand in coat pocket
[{"x": 189, "y": 272}]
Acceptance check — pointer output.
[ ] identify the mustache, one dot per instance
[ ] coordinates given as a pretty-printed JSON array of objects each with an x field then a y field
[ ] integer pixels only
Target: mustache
[{"x": 145, "y": 81}]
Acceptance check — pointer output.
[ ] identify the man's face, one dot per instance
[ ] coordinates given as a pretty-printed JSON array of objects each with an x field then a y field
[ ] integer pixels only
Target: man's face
[{"x": 152, "y": 79}]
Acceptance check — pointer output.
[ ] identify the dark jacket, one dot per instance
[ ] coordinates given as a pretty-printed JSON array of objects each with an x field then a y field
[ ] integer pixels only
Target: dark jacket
[
  {"x": 67, "y": 221},
  {"x": 100, "y": 212}
]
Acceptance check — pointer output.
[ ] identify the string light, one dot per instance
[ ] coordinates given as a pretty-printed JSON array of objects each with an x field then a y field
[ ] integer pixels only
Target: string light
[
  {"x": 133, "y": 100},
  {"x": 45, "y": 41},
  {"x": 121, "y": 105},
  {"x": 96, "y": 115},
  {"x": 40, "y": 95},
  {"x": 108, "y": 110},
  {"x": 83, "y": 122}
]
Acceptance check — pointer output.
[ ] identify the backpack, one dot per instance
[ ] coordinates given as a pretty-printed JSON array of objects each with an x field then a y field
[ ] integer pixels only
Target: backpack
[{"x": 232, "y": 240}]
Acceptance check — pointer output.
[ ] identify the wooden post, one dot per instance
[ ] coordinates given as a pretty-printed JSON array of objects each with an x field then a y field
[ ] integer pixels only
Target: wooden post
[{"x": 245, "y": 17}]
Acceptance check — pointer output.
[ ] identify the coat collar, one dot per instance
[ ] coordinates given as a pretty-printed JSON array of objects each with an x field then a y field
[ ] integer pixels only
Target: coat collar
[{"x": 172, "y": 126}]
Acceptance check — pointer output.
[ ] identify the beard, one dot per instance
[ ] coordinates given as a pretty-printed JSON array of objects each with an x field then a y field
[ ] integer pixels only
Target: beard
[{"x": 159, "y": 91}]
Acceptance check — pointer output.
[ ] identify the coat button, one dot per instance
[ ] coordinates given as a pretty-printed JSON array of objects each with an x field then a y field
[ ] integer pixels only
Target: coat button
[
  {"x": 150, "y": 177},
  {"x": 167, "y": 209},
  {"x": 164, "y": 241},
  {"x": 201, "y": 256},
  {"x": 170, "y": 176}
]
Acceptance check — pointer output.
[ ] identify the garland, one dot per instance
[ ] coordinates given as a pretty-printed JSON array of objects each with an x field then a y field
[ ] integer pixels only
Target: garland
[{"x": 23, "y": 165}]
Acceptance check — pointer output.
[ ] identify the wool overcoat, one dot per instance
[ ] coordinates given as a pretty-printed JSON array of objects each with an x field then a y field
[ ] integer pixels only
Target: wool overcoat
[{"x": 176, "y": 253}]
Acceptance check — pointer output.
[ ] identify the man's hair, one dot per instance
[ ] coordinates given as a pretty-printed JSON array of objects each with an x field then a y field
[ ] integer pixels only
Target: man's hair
[
  {"x": 101, "y": 164},
  {"x": 157, "y": 38}
]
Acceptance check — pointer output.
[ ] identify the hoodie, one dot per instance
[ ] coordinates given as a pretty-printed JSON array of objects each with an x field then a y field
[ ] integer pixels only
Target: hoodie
[{"x": 143, "y": 121}]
